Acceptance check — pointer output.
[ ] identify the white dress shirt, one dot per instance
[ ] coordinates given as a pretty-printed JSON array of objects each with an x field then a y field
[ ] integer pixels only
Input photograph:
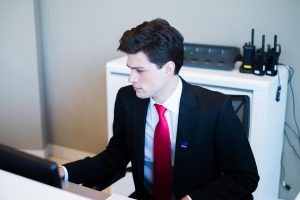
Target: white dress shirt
[{"x": 172, "y": 106}]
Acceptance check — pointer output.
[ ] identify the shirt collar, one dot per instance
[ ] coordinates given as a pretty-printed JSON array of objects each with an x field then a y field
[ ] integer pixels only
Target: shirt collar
[{"x": 172, "y": 103}]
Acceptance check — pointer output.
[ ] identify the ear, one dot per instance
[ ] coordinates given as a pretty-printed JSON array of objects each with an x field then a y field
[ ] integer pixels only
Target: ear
[{"x": 170, "y": 67}]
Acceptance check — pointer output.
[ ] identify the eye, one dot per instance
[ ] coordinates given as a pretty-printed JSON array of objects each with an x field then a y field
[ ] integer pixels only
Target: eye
[{"x": 140, "y": 70}]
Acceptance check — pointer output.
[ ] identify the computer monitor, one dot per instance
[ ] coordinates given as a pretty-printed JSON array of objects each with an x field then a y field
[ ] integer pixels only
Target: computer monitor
[{"x": 30, "y": 166}]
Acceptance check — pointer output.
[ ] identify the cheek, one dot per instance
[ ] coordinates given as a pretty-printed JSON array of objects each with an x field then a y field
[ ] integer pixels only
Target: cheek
[
  {"x": 150, "y": 81},
  {"x": 154, "y": 84},
  {"x": 147, "y": 84}
]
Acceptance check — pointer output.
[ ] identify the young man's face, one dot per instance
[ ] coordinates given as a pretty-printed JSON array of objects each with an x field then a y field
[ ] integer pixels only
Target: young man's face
[{"x": 148, "y": 81}]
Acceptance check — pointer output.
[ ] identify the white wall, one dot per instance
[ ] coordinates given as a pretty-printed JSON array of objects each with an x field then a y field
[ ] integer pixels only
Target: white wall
[{"x": 20, "y": 106}]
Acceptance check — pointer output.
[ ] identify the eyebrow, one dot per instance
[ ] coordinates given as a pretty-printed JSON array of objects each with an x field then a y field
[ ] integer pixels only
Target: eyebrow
[{"x": 138, "y": 67}]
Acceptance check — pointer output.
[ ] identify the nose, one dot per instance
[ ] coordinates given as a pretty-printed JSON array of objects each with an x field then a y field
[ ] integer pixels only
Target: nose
[{"x": 132, "y": 77}]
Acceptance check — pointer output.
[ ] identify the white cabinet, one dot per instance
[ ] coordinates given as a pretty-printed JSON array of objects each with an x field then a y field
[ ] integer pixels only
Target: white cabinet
[{"x": 267, "y": 115}]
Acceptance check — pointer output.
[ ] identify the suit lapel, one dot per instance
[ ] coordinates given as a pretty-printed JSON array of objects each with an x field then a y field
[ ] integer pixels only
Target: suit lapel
[
  {"x": 139, "y": 114},
  {"x": 186, "y": 124},
  {"x": 186, "y": 119}
]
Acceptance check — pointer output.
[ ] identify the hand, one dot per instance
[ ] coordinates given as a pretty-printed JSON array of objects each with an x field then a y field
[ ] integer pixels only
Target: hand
[
  {"x": 61, "y": 172},
  {"x": 185, "y": 198}
]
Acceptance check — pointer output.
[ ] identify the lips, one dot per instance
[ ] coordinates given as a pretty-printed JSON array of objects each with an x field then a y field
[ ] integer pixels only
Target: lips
[{"x": 137, "y": 89}]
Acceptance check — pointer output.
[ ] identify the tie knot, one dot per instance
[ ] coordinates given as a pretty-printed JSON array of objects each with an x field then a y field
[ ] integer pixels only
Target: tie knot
[{"x": 160, "y": 109}]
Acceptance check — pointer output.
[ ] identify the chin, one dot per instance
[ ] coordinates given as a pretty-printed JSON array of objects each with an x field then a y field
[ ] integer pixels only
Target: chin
[{"x": 142, "y": 96}]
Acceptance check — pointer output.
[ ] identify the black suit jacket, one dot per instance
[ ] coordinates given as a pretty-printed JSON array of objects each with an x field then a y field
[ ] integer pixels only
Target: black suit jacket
[{"x": 215, "y": 162}]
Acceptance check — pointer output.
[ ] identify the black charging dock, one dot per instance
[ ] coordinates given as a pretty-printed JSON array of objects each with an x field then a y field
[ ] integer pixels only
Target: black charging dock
[{"x": 210, "y": 56}]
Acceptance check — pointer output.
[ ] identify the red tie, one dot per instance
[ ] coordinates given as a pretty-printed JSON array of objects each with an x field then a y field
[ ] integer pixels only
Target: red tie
[{"x": 162, "y": 158}]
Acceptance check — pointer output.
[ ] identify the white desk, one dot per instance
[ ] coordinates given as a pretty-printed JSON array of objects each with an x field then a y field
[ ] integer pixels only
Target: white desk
[
  {"x": 298, "y": 196},
  {"x": 17, "y": 187}
]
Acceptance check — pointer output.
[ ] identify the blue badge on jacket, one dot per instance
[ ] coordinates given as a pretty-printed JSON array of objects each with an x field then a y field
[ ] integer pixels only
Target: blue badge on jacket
[{"x": 184, "y": 144}]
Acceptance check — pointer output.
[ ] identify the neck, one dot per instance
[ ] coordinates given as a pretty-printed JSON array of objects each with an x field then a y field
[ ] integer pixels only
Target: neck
[{"x": 168, "y": 90}]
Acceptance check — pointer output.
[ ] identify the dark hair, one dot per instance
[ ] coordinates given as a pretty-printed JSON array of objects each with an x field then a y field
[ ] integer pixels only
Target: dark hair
[{"x": 157, "y": 39}]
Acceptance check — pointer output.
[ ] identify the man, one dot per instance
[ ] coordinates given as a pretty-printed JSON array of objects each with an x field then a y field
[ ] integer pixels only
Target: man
[{"x": 184, "y": 141}]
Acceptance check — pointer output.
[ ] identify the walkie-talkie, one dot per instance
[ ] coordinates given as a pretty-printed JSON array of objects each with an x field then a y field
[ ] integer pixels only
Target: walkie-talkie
[
  {"x": 259, "y": 60},
  {"x": 272, "y": 58},
  {"x": 249, "y": 52}
]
